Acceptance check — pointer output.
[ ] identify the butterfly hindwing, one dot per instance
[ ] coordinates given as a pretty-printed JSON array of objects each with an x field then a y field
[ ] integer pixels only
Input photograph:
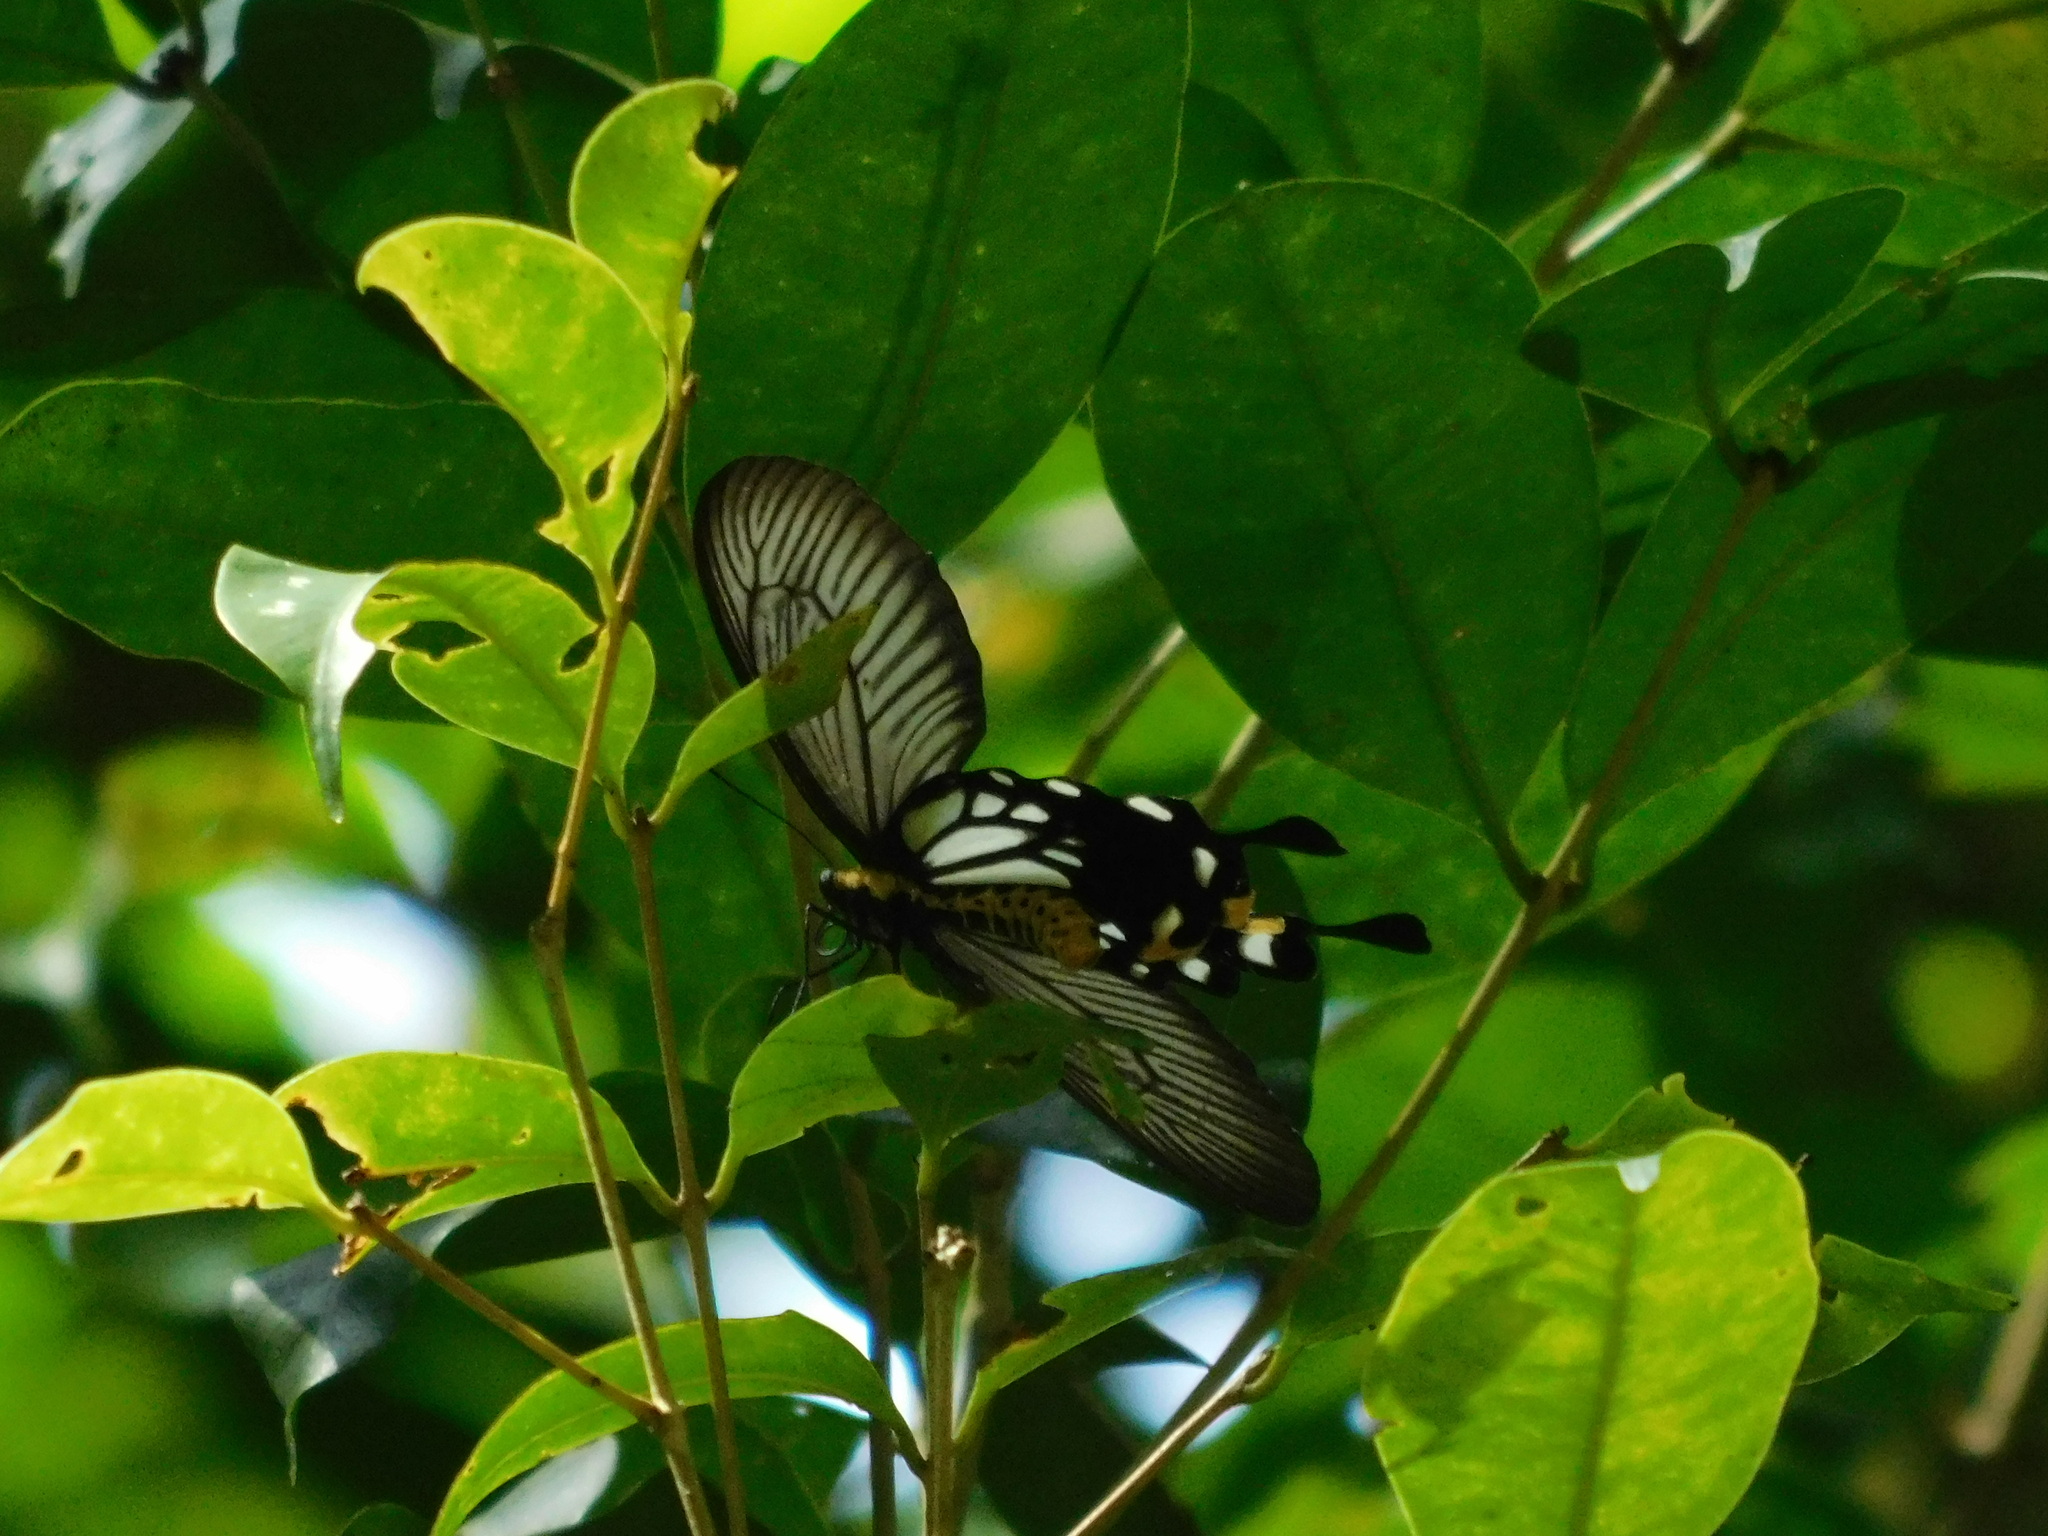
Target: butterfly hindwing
[
  {"x": 1205, "y": 1114},
  {"x": 783, "y": 549}
]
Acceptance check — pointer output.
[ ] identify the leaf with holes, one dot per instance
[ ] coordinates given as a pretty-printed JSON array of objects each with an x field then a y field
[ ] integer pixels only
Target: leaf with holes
[
  {"x": 515, "y": 682},
  {"x": 461, "y": 1128},
  {"x": 815, "y": 1065},
  {"x": 640, "y": 196},
  {"x": 1867, "y": 1300},
  {"x": 1320, "y": 393},
  {"x": 1598, "y": 1346},
  {"x": 945, "y": 219},
  {"x": 549, "y": 332},
  {"x": 787, "y": 1355},
  {"x": 156, "y": 1142}
]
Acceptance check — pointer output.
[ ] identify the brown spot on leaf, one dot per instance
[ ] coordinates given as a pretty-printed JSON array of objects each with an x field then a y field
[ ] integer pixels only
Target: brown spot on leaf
[{"x": 73, "y": 1161}]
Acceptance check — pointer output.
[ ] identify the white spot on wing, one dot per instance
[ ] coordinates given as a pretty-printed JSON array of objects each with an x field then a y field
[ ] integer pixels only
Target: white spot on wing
[
  {"x": 1064, "y": 856},
  {"x": 1140, "y": 968},
  {"x": 1205, "y": 866},
  {"x": 1164, "y": 924},
  {"x": 1257, "y": 949},
  {"x": 1062, "y": 787},
  {"x": 1005, "y": 872},
  {"x": 973, "y": 842},
  {"x": 1002, "y": 777},
  {"x": 986, "y": 806},
  {"x": 1111, "y": 932},
  {"x": 1025, "y": 810},
  {"x": 928, "y": 821},
  {"x": 1145, "y": 805},
  {"x": 1196, "y": 970}
]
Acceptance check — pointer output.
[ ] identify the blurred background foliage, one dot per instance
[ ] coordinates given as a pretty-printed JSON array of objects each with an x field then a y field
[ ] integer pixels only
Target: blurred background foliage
[{"x": 1853, "y": 964}]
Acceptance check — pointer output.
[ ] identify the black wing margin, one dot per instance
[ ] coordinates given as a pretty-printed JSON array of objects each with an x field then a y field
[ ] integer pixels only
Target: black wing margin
[
  {"x": 1207, "y": 1116},
  {"x": 784, "y": 547}
]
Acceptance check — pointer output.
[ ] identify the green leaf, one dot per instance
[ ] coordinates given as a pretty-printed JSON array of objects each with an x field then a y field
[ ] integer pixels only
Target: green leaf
[
  {"x": 803, "y": 683},
  {"x": 462, "y": 1128},
  {"x": 815, "y": 1065},
  {"x": 1687, "y": 333},
  {"x": 1867, "y": 1300},
  {"x": 640, "y": 196},
  {"x": 1319, "y": 393},
  {"x": 765, "y": 1357},
  {"x": 1093, "y": 1306},
  {"x": 614, "y": 38},
  {"x": 299, "y": 621},
  {"x": 174, "y": 1140},
  {"x": 918, "y": 276},
  {"x": 1352, "y": 1290},
  {"x": 1913, "y": 82},
  {"x": 347, "y": 486},
  {"x": 1377, "y": 92},
  {"x": 385, "y": 1520},
  {"x": 974, "y": 1067},
  {"x": 1878, "y": 543},
  {"x": 1649, "y": 1122},
  {"x": 549, "y": 332},
  {"x": 515, "y": 683},
  {"x": 1223, "y": 150},
  {"x": 1577, "y": 1331},
  {"x": 54, "y": 42}
]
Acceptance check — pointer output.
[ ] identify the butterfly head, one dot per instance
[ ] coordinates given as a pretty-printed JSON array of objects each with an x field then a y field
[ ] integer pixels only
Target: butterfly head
[{"x": 865, "y": 900}]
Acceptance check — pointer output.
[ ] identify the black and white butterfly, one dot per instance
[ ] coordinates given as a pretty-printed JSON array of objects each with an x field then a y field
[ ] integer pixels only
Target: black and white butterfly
[{"x": 1041, "y": 889}]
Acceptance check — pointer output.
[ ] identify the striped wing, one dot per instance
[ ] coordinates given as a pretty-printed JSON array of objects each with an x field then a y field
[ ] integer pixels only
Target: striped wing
[
  {"x": 785, "y": 547},
  {"x": 1207, "y": 1117}
]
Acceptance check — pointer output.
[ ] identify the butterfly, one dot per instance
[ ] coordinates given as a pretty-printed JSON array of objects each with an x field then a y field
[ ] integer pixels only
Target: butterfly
[{"x": 1046, "y": 890}]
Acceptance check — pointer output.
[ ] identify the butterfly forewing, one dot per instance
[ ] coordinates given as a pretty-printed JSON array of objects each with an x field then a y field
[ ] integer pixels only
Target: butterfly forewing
[
  {"x": 783, "y": 549},
  {"x": 1206, "y": 1116}
]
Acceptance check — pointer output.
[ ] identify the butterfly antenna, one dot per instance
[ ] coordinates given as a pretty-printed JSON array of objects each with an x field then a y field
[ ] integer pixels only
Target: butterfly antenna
[{"x": 760, "y": 805}]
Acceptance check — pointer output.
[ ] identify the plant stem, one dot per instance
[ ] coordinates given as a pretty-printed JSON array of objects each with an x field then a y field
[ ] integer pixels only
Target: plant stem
[
  {"x": 1245, "y": 753},
  {"x": 664, "y": 69},
  {"x": 873, "y": 1265},
  {"x": 505, "y": 86},
  {"x": 1225, "y": 1397},
  {"x": 374, "y": 1227},
  {"x": 1106, "y": 730},
  {"x": 549, "y": 944},
  {"x": 991, "y": 1318},
  {"x": 946, "y": 1253},
  {"x": 1679, "y": 69},
  {"x": 694, "y": 1215},
  {"x": 1563, "y": 881},
  {"x": 1984, "y": 1427}
]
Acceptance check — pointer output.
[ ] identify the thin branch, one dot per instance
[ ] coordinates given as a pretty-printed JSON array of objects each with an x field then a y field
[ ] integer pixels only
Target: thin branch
[
  {"x": 505, "y": 86},
  {"x": 1984, "y": 1427},
  {"x": 1106, "y": 730},
  {"x": 1225, "y": 1397},
  {"x": 374, "y": 1227},
  {"x": 873, "y": 1266},
  {"x": 1253, "y": 741},
  {"x": 549, "y": 945},
  {"x": 664, "y": 69},
  {"x": 991, "y": 1318},
  {"x": 694, "y": 1216},
  {"x": 1679, "y": 69},
  {"x": 947, "y": 1253},
  {"x": 1563, "y": 882},
  {"x": 1598, "y": 232}
]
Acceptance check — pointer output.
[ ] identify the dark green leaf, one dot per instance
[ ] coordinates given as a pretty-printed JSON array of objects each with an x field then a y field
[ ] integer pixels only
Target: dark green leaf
[
  {"x": 1350, "y": 1291},
  {"x": 611, "y": 34},
  {"x": 340, "y": 485},
  {"x": 1687, "y": 333},
  {"x": 1577, "y": 1330},
  {"x": 1867, "y": 1300},
  {"x": 945, "y": 220},
  {"x": 1886, "y": 537},
  {"x": 54, "y": 42},
  {"x": 385, "y": 1520},
  {"x": 1319, "y": 394},
  {"x": 1382, "y": 92},
  {"x": 952, "y": 1078},
  {"x": 1223, "y": 150},
  {"x": 765, "y": 1357}
]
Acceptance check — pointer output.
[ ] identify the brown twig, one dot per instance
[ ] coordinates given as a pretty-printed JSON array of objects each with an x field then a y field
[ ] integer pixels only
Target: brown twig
[
  {"x": 1253, "y": 741},
  {"x": 374, "y": 1227},
  {"x": 1680, "y": 68},
  {"x": 693, "y": 1214},
  {"x": 1984, "y": 1427},
  {"x": 946, "y": 1252},
  {"x": 550, "y": 931},
  {"x": 505, "y": 86},
  {"x": 873, "y": 1265},
  {"x": 1088, "y": 757}
]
